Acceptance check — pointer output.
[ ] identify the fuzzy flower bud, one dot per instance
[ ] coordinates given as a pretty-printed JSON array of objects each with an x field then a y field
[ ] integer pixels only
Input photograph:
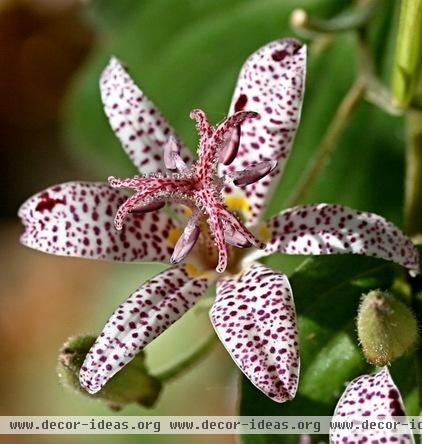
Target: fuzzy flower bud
[
  {"x": 387, "y": 328},
  {"x": 133, "y": 384}
]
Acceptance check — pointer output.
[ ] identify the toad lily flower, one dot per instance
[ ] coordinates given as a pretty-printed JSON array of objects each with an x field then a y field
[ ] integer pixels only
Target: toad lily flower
[
  {"x": 197, "y": 187},
  {"x": 371, "y": 397},
  {"x": 224, "y": 194}
]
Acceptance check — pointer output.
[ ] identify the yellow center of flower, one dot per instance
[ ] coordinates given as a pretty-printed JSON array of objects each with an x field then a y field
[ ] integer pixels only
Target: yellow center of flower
[
  {"x": 173, "y": 236},
  {"x": 264, "y": 233},
  {"x": 238, "y": 204}
]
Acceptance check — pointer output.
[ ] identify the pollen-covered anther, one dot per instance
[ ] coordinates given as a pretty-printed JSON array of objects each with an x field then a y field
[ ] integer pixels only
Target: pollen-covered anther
[
  {"x": 186, "y": 241},
  {"x": 253, "y": 173},
  {"x": 237, "y": 239},
  {"x": 148, "y": 207},
  {"x": 172, "y": 159},
  {"x": 199, "y": 186},
  {"x": 230, "y": 148}
]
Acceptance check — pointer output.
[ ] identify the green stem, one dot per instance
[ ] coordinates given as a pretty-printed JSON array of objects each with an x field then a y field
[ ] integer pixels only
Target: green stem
[
  {"x": 375, "y": 91},
  {"x": 413, "y": 181},
  {"x": 408, "y": 58},
  {"x": 328, "y": 143},
  {"x": 413, "y": 214},
  {"x": 348, "y": 20},
  {"x": 186, "y": 362},
  {"x": 413, "y": 210}
]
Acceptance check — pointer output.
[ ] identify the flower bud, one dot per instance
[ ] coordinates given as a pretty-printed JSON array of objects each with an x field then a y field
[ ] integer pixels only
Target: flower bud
[
  {"x": 387, "y": 328},
  {"x": 132, "y": 384}
]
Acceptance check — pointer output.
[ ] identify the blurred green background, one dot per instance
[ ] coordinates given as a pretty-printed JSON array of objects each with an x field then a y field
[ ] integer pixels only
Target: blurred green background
[{"x": 184, "y": 54}]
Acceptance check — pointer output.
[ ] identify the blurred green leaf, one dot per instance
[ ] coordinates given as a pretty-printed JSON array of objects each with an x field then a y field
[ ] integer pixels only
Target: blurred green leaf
[
  {"x": 105, "y": 14},
  {"x": 184, "y": 54},
  {"x": 372, "y": 143},
  {"x": 327, "y": 291},
  {"x": 192, "y": 60}
]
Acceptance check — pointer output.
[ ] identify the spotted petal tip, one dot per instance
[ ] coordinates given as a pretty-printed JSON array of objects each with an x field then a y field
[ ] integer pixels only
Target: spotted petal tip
[
  {"x": 148, "y": 312},
  {"x": 370, "y": 397},
  {"x": 255, "y": 318},
  {"x": 136, "y": 121},
  {"x": 271, "y": 83},
  {"x": 335, "y": 229},
  {"x": 76, "y": 219}
]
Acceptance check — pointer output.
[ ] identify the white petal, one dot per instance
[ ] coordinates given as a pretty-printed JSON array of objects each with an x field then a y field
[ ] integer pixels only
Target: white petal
[
  {"x": 77, "y": 219},
  {"x": 139, "y": 125},
  {"x": 254, "y": 316},
  {"x": 271, "y": 83},
  {"x": 335, "y": 229},
  {"x": 368, "y": 397},
  {"x": 147, "y": 313}
]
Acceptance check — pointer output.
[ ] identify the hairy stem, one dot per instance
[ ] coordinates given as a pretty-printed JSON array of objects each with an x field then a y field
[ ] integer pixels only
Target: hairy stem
[
  {"x": 189, "y": 360},
  {"x": 328, "y": 143}
]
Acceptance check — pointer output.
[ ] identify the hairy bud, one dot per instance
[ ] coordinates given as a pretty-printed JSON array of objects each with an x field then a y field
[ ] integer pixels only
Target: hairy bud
[
  {"x": 133, "y": 384},
  {"x": 387, "y": 328}
]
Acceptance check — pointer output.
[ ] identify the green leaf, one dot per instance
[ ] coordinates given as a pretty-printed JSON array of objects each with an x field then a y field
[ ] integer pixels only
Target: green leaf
[
  {"x": 355, "y": 175},
  {"x": 327, "y": 291},
  {"x": 190, "y": 60}
]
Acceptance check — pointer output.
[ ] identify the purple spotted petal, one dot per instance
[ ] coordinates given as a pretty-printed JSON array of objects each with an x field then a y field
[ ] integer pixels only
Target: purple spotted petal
[
  {"x": 254, "y": 316},
  {"x": 138, "y": 124},
  {"x": 271, "y": 83},
  {"x": 365, "y": 398},
  {"x": 147, "y": 313},
  {"x": 76, "y": 219},
  {"x": 334, "y": 229}
]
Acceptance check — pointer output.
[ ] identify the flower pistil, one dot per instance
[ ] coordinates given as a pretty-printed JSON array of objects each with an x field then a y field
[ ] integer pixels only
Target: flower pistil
[{"x": 198, "y": 187}]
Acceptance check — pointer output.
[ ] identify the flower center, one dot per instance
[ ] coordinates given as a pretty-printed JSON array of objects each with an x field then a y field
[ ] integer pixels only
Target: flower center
[{"x": 198, "y": 187}]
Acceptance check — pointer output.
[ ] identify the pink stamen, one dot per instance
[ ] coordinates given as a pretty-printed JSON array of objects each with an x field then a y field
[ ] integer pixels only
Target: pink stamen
[
  {"x": 204, "y": 128},
  {"x": 198, "y": 186}
]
